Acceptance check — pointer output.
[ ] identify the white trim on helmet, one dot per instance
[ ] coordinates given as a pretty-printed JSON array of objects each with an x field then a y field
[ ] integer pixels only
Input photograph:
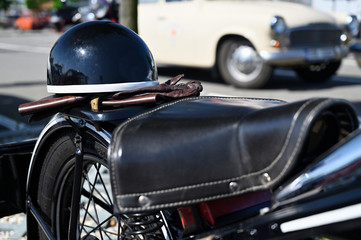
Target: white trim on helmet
[{"x": 99, "y": 88}]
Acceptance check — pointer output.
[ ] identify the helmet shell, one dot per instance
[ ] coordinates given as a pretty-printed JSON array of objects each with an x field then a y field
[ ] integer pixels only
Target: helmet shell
[{"x": 99, "y": 56}]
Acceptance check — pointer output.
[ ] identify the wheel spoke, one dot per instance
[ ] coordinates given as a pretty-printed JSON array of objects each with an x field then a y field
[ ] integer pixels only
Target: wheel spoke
[
  {"x": 110, "y": 202},
  {"x": 100, "y": 178},
  {"x": 96, "y": 219},
  {"x": 105, "y": 206},
  {"x": 96, "y": 195},
  {"x": 92, "y": 217},
  {"x": 99, "y": 226},
  {"x": 91, "y": 187}
]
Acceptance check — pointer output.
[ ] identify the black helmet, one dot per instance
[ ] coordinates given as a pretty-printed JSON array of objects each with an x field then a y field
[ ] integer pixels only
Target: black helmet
[{"x": 100, "y": 56}]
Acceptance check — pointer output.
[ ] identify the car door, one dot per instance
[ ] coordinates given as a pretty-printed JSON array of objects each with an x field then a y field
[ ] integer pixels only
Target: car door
[{"x": 169, "y": 28}]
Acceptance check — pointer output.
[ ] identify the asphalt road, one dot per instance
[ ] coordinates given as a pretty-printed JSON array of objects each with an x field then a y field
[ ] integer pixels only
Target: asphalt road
[{"x": 23, "y": 58}]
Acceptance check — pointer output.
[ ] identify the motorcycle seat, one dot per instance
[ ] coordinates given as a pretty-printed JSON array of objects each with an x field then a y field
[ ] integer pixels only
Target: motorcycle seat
[{"x": 206, "y": 148}]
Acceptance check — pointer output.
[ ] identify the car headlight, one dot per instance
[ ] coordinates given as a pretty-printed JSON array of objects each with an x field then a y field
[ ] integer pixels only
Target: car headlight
[
  {"x": 278, "y": 25},
  {"x": 352, "y": 25}
]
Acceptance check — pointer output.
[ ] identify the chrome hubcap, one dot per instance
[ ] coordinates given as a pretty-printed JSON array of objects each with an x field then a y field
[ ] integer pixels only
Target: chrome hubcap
[{"x": 244, "y": 63}]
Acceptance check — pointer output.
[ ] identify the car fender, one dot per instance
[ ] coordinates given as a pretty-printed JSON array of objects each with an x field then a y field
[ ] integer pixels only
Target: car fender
[{"x": 207, "y": 58}]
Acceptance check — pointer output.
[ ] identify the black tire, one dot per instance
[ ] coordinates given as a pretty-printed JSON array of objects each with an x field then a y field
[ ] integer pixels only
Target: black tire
[
  {"x": 96, "y": 218},
  {"x": 240, "y": 65},
  {"x": 318, "y": 73}
]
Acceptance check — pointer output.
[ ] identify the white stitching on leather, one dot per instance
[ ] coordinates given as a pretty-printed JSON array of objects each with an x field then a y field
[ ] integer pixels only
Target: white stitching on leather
[
  {"x": 259, "y": 187},
  {"x": 166, "y": 205},
  {"x": 120, "y": 127},
  {"x": 230, "y": 179},
  {"x": 321, "y": 104}
]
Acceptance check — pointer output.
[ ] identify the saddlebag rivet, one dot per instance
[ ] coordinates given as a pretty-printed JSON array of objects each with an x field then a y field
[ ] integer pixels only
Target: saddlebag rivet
[
  {"x": 266, "y": 177},
  {"x": 253, "y": 232},
  {"x": 233, "y": 186},
  {"x": 143, "y": 200},
  {"x": 274, "y": 226}
]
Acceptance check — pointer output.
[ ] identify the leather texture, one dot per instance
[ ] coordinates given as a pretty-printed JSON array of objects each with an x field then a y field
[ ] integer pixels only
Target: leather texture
[{"x": 207, "y": 148}]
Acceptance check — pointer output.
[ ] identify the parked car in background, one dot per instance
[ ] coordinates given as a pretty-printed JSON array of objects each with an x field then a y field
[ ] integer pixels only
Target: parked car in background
[
  {"x": 245, "y": 39},
  {"x": 32, "y": 20},
  {"x": 59, "y": 17},
  {"x": 352, "y": 28},
  {"x": 350, "y": 23},
  {"x": 8, "y": 17},
  {"x": 73, "y": 13}
]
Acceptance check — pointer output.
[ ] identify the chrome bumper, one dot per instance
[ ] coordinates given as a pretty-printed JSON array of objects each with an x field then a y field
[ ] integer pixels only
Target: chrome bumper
[
  {"x": 304, "y": 56},
  {"x": 355, "y": 49}
]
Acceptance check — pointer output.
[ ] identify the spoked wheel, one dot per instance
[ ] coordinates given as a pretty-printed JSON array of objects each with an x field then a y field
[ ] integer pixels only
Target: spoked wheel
[
  {"x": 96, "y": 219},
  {"x": 95, "y": 216}
]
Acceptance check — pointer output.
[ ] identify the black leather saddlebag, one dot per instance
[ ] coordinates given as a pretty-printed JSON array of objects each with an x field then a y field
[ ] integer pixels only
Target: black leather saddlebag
[{"x": 207, "y": 148}]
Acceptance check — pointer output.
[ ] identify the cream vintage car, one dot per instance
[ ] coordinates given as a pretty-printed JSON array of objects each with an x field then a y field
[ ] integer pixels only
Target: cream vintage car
[{"x": 245, "y": 39}]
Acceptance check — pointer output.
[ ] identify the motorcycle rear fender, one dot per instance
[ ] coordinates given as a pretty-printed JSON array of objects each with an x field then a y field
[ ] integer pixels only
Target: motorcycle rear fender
[
  {"x": 56, "y": 125},
  {"x": 209, "y": 148},
  {"x": 79, "y": 116}
]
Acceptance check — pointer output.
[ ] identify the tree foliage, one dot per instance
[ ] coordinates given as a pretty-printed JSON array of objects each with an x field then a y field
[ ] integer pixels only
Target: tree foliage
[
  {"x": 58, "y": 4},
  {"x": 33, "y": 4},
  {"x": 36, "y": 4},
  {"x": 5, "y": 4}
]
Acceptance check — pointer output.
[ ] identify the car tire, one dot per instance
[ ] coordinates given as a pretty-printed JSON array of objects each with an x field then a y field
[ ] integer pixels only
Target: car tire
[
  {"x": 240, "y": 65},
  {"x": 318, "y": 73}
]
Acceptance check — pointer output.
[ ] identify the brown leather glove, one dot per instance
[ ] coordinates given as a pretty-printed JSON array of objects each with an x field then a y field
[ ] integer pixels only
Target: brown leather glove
[
  {"x": 161, "y": 93},
  {"x": 170, "y": 89}
]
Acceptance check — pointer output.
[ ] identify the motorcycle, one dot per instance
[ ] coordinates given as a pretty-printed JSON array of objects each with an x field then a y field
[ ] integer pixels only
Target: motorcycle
[
  {"x": 98, "y": 10},
  {"x": 162, "y": 162},
  {"x": 71, "y": 14}
]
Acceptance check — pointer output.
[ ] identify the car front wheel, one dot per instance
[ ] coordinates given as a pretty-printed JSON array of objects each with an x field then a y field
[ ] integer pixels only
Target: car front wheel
[
  {"x": 318, "y": 72},
  {"x": 240, "y": 65}
]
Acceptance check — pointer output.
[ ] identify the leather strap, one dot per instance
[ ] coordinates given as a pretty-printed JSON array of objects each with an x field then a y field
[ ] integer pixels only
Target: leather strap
[{"x": 168, "y": 91}]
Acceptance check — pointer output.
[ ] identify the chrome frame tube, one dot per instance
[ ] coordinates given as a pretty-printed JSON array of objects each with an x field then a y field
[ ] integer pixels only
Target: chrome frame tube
[{"x": 340, "y": 162}]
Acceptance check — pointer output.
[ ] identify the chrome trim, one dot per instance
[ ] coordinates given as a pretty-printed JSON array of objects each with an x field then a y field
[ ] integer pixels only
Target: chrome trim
[
  {"x": 56, "y": 119},
  {"x": 165, "y": 228},
  {"x": 331, "y": 171},
  {"x": 355, "y": 48},
  {"x": 99, "y": 88},
  {"x": 278, "y": 25},
  {"x": 352, "y": 25},
  {"x": 321, "y": 219},
  {"x": 244, "y": 63},
  {"x": 297, "y": 56}
]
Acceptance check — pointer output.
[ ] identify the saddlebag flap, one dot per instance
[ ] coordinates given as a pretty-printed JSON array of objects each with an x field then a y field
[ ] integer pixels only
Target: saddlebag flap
[{"x": 202, "y": 149}]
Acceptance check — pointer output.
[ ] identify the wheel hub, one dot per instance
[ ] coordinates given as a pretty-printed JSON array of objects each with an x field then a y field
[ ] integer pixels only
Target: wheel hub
[
  {"x": 244, "y": 64},
  {"x": 244, "y": 59}
]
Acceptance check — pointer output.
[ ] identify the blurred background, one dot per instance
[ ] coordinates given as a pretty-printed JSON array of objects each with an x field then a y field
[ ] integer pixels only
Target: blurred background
[{"x": 29, "y": 28}]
